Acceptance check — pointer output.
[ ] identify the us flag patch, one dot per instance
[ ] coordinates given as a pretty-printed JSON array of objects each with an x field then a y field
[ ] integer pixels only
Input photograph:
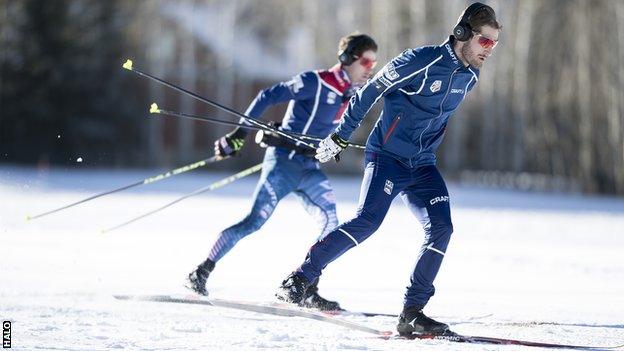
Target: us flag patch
[{"x": 388, "y": 187}]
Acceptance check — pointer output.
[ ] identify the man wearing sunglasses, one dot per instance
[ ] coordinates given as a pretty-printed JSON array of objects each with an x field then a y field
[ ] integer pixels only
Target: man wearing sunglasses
[
  {"x": 422, "y": 88},
  {"x": 316, "y": 102}
]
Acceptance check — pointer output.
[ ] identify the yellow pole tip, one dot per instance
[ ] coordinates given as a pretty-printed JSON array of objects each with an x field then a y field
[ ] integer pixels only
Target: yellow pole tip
[
  {"x": 154, "y": 108},
  {"x": 28, "y": 218},
  {"x": 127, "y": 64},
  {"x": 103, "y": 231}
]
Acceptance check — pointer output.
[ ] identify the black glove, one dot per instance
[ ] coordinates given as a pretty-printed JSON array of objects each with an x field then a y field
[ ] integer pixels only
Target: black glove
[{"x": 231, "y": 143}]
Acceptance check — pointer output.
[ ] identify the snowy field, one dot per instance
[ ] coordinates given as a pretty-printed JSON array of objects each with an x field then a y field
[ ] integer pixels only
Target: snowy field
[{"x": 527, "y": 266}]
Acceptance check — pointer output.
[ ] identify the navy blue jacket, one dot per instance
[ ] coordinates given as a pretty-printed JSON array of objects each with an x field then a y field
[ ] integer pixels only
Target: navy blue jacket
[
  {"x": 317, "y": 101},
  {"x": 422, "y": 88}
]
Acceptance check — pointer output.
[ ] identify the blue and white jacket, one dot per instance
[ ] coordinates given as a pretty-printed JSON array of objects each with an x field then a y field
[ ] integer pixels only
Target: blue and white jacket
[
  {"x": 317, "y": 101},
  {"x": 422, "y": 88}
]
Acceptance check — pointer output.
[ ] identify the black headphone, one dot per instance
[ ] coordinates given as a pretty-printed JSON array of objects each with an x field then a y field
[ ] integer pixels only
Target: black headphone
[
  {"x": 346, "y": 56},
  {"x": 463, "y": 31}
]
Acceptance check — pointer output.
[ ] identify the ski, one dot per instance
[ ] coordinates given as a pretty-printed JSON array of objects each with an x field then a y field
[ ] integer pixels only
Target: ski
[
  {"x": 341, "y": 313},
  {"x": 289, "y": 310},
  {"x": 471, "y": 339},
  {"x": 347, "y": 313},
  {"x": 205, "y": 301},
  {"x": 277, "y": 309}
]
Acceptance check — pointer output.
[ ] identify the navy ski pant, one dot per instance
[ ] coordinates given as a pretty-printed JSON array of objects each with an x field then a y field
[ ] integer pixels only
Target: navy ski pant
[
  {"x": 423, "y": 190},
  {"x": 282, "y": 174}
]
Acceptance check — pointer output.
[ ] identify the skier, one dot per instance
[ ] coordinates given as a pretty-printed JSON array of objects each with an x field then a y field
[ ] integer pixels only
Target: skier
[
  {"x": 422, "y": 88},
  {"x": 316, "y": 102}
]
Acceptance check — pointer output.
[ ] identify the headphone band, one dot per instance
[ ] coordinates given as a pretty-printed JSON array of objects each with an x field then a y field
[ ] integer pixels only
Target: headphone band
[
  {"x": 346, "y": 56},
  {"x": 463, "y": 30}
]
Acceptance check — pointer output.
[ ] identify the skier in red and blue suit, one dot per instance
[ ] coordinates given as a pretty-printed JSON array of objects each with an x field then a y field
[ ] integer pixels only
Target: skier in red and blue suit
[
  {"x": 421, "y": 88},
  {"x": 316, "y": 101}
]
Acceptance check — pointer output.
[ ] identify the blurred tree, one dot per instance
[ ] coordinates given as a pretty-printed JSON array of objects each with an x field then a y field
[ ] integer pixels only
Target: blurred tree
[
  {"x": 550, "y": 100},
  {"x": 61, "y": 96}
]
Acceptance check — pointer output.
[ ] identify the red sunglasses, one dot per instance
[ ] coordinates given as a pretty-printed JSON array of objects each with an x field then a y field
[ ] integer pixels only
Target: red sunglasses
[
  {"x": 367, "y": 62},
  {"x": 485, "y": 42}
]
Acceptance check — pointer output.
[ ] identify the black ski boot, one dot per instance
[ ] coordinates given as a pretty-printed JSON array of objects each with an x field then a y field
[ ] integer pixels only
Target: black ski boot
[
  {"x": 293, "y": 289},
  {"x": 197, "y": 278},
  {"x": 413, "y": 321},
  {"x": 314, "y": 300}
]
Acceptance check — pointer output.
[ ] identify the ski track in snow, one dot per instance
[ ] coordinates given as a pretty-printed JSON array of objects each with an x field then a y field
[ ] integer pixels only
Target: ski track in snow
[{"x": 540, "y": 267}]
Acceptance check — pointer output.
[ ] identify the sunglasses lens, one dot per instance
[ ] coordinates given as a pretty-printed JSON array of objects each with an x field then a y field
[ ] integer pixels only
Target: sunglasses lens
[
  {"x": 368, "y": 63},
  {"x": 487, "y": 43}
]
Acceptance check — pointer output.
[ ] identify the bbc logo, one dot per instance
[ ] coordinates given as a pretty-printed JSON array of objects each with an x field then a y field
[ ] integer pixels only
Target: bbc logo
[{"x": 6, "y": 334}]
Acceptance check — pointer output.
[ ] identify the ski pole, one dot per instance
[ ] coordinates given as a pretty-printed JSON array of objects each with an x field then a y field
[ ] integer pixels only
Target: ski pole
[
  {"x": 128, "y": 65},
  {"x": 154, "y": 109},
  {"x": 149, "y": 180},
  {"x": 216, "y": 185}
]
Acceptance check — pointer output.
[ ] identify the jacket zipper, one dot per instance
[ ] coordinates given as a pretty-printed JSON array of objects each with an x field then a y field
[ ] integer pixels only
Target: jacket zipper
[
  {"x": 391, "y": 129},
  {"x": 441, "y": 109}
]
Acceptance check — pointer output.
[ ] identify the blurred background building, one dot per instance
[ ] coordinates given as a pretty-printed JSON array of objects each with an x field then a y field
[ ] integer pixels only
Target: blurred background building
[{"x": 548, "y": 111}]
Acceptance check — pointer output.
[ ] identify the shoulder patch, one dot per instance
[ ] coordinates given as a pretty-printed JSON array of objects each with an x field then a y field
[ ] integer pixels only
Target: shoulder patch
[
  {"x": 383, "y": 79},
  {"x": 295, "y": 84},
  {"x": 389, "y": 72}
]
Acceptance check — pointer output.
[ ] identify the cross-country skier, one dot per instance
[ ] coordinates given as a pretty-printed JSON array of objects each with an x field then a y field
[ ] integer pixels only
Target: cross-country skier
[
  {"x": 422, "y": 88},
  {"x": 316, "y": 102}
]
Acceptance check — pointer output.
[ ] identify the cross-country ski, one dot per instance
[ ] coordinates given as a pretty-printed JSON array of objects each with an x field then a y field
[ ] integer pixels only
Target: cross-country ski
[{"x": 289, "y": 310}]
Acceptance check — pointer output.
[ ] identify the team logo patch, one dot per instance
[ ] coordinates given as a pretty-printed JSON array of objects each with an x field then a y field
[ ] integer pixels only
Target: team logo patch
[
  {"x": 331, "y": 98},
  {"x": 383, "y": 79},
  {"x": 295, "y": 84},
  {"x": 389, "y": 72},
  {"x": 435, "y": 86},
  {"x": 388, "y": 187}
]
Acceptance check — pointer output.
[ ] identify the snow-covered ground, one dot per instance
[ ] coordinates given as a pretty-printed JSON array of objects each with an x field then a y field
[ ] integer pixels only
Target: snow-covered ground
[{"x": 528, "y": 266}]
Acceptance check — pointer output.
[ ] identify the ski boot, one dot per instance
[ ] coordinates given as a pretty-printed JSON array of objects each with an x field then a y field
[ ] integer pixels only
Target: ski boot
[
  {"x": 197, "y": 278},
  {"x": 293, "y": 289},
  {"x": 312, "y": 299},
  {"x": 413, "y": 321}
]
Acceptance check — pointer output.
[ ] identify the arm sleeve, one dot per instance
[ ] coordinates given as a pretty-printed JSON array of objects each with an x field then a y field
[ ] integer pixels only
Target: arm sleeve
[
  {"x": 394, "y": 75},
  {"x": 301, "y": 87}
]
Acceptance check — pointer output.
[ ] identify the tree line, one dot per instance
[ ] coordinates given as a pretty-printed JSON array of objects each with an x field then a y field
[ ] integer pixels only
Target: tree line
[{"x": 549, "y": 101}]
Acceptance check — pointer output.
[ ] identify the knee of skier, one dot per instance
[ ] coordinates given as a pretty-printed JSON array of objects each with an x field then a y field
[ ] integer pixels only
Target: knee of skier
[
  {"x": 254, "y": 220},
  {"x": 443, "y": 229},
  {"x": 369, "y": 220}
]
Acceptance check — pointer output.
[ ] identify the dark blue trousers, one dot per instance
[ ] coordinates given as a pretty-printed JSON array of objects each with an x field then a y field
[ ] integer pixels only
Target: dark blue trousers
[{"x": 423, "y": 190}]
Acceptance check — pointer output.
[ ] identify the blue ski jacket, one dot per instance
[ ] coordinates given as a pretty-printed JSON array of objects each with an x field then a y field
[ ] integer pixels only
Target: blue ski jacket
[
  {"x": 317, "y": 101},
  {"x": 422, "y": 87}
]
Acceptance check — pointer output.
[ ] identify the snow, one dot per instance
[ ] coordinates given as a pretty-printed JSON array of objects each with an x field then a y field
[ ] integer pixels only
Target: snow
[{"x": 540, "y": 267}]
